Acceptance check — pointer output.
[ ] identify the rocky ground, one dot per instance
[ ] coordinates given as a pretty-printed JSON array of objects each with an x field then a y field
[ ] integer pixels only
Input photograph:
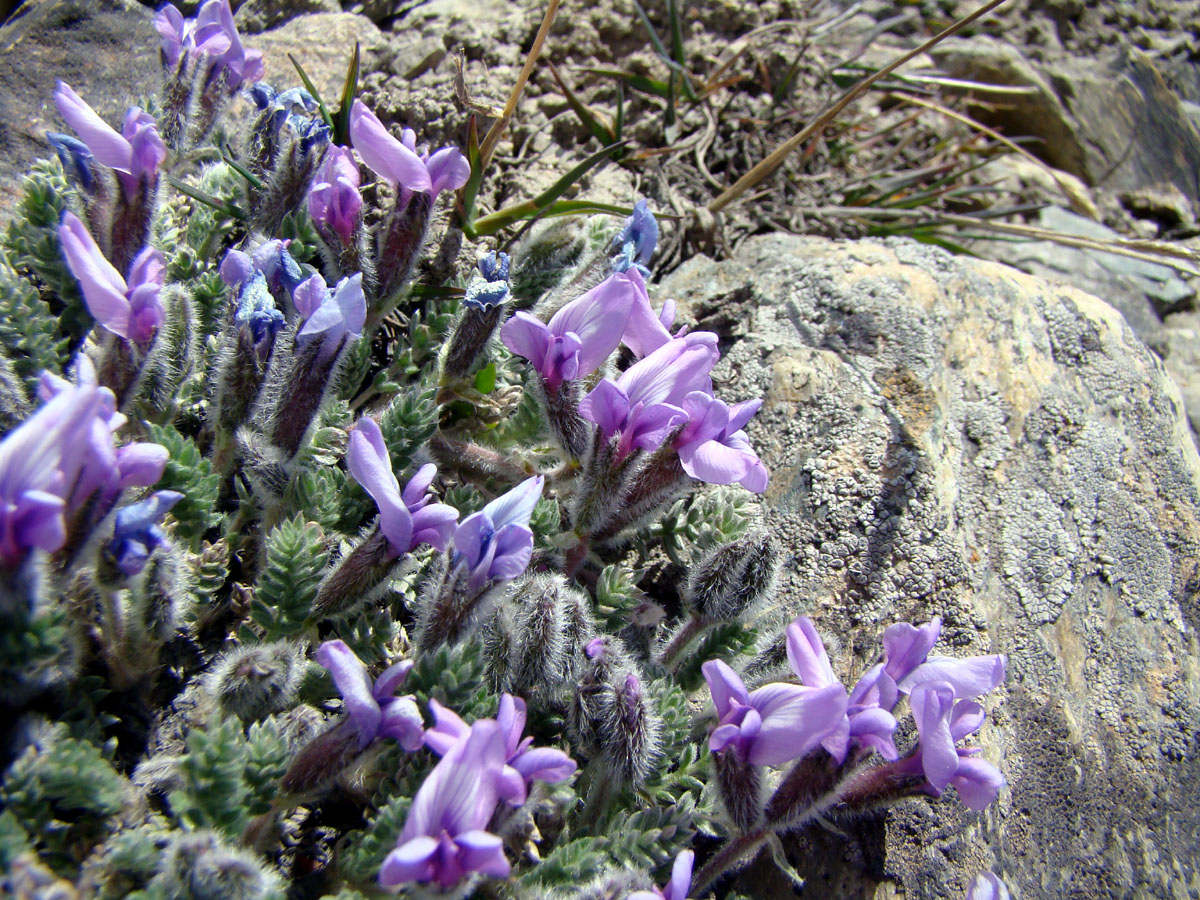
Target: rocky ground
[{"x": 947, "y": 436}]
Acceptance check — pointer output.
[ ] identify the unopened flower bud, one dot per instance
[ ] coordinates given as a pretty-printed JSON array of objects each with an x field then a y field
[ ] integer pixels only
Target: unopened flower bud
[
  {"x": 734, "y": 578},
  {"x": 321, "y": 759},
  {"x": 353, "y": 580},
  {"x": 201, "y": 866},
  {"x": 740, "y": 784},
  {"x": 628, "y": 733},
  {"x": 253, "y": 682}
]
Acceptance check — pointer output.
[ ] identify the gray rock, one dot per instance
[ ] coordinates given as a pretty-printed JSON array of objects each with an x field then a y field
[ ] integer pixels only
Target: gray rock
[
  {"x": 86, "y": 43},
  {"x": 323, "y": 43},
  {"x": 1182, "y": 359},
  {"x": 255, "y": 16},
  {"x": 950, "y": 436},
  {"x": 1113, "y": 122},
  {"x": 1142, "y": 291}
]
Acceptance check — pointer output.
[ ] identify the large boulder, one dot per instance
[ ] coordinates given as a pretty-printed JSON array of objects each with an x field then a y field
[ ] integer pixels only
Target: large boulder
[{"x": 949, "y": 436}]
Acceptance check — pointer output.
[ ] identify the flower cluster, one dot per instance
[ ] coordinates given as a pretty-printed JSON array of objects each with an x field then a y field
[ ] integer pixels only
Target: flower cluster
[
  {"x": 62, "y": 456},
  {"x": 371, "y": 570}
]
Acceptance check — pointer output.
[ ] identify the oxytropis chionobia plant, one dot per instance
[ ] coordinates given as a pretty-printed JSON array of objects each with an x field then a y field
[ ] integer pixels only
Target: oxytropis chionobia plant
[{"x": 318, "y": 580}]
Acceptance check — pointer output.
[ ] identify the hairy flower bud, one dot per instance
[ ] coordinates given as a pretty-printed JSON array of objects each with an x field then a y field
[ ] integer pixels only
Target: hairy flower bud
[
  {"x": 734, "y": 578},
  {"x": 802, "y": 789},
  {"x": 628, "y": 732},
  {"x": 353, "y": 580},
  {"x": 201, "y": 866},
  {"x": 253, "y": 682},
  {"x": 740, "y": 784}
]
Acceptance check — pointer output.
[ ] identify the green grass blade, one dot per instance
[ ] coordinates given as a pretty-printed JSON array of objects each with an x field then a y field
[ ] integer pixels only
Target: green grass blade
[
  {"x": 229, "y": 209},
  {"x": 312, "y": 89},
  {"x": 341, "y": 128},
  {"x": 604, "y": 135},
  {"x": 470, "y": 190},
  {"x": 646, "y": 85}
]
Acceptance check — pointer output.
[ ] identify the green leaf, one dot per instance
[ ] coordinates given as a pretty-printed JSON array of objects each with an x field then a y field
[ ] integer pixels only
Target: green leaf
[
  {"x": 492, "y": 223},
  {"x": 725, "y": 641},
  {"x": 191, "y": 474},
  {"x": 295, "y": 562},
  {"x": 28, "y": 329},
  {"x": 408, "y": 422},
  {"x": 485, "y": 379},
  {"x": 341, "y": 121},
  {"x": 214, "y": 792}
]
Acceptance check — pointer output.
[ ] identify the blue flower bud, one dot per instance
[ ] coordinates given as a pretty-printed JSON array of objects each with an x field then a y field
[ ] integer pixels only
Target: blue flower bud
[{"x": 136, "y": 533}]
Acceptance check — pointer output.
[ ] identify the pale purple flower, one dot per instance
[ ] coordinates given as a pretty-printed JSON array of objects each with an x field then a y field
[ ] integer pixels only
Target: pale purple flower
[
  {"x": 643, "y": 405},
  {"x": 398, "y": 161},
  {"x": 90, "y": 456},
  {"x": 496, "y": 543},
  {"x": 635, "y": 244},
  {"x": 581, "y": 335},
  {"x": 444, "y": 837},
  {"x": 39, "y": 468},
  {"x": 970, "y": 677},
  {"x": 212, "y": 34},
  {"x": 713, "y": 447},
  {"x": 646, "y": 329},
  {"x": 342, "y": 314},
  {"x": 409, "y": 518},
  {"x": 130, "y": 309},
  {"x": 373, "y": 708},
  {"x": 530, "y": 763},
  {"x": 334, "y": 202},
  {"x": 941, "y": 722},
  {"x": 810, "y": 662},
  {"x": 905, "y": 647},
  {"x": 987, "y": 886},
  {"x": 134, "y": 153},
  {"x": 775, "y": 723},
  {"x": 680, "y": 884},
  {"x": 309, "y": 295},
  {"x": 136, "y": 532}
]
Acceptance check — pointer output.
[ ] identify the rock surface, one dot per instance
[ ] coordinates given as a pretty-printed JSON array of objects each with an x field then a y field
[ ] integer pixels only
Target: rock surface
[
  {"x": 954, "y": 437},
  {"x": 1113, "y": 122}
]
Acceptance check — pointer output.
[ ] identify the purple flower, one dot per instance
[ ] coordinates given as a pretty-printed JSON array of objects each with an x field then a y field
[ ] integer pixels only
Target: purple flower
[
  {"x": 987, "y": 886},
  {"x": 810, "y": 662},
  {"x": 775, "y": 723},
  {"x": 635, "y": 244},
  {"x": 74, "y": 155},
  {"x": 398, "y": 161},
  {"x": 496, "y": 543},
  {"x": 681, "y": 881},
  {"x": 130, "y": 309},
  {"x": 342, "y": 314},
  {"x": 39, "y": 467},
  {"x": 643, "y": 405},
  {"x": 406, "y": 519},
  {"x": 444, "y": 837},
  {"x": 971, "y": 677},
  {"x": 530, "y": 763},
  {"x": 134, "y": 154},
  {"x": 90, "y": 456},
  {"x": 647, "y": 330},
  {"x": 941, "y": 722},
  {"x": 256, "y": 310},
  {"x": 905, "y": 647},
  {"x": 581, "y": 335},
  {"x": 489, "y": 286},
  {"x": 374, "y": 709},
  {"x": 212, "y": 34},
  {"x": 136, "y": 532},
  {"x": 309, "y": 295},
  {"x": 713, "y": 447},
  {"x": 334, "y": 202}
]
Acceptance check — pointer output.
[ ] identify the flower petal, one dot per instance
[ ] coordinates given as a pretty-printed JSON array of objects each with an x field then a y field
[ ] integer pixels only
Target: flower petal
[{"x": 352, "y": 681}]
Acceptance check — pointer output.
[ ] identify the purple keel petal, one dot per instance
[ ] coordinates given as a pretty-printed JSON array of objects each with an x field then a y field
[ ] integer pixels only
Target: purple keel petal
[
  {"x": 483, "y": 852},
  {"x": 978, "y": 783},
  {"x": 411, "y": 861}
]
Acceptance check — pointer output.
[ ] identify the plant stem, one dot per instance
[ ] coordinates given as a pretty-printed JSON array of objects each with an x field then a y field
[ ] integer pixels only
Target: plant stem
[
  {"x": 741, "y": 849},
  {"x": 680, "y": 640}
]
